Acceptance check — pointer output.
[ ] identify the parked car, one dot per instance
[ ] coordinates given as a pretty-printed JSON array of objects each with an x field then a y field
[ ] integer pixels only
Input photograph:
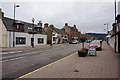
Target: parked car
[
  {"x": 96, "y": 44},
  {"x": 75, "y": 42},
  {"x": 88, "y": 41}
]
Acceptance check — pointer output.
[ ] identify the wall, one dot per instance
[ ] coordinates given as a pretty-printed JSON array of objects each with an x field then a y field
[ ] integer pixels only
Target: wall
[
  {"x": 111, "y": 41},
  {"x": 3, "y": 35},
  {"x": 55, "y": 35},
  {"x": 40, "y": 36},
  {"x": 119, "y": 7},
  {"x": 28, "y": 39}
]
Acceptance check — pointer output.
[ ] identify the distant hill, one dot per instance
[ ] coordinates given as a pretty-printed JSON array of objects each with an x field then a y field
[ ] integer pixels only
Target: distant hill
[{"x": 97, "y": 35}]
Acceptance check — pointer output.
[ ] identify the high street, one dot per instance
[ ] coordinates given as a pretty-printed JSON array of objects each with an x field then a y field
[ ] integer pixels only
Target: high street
[{"x": 17, "y": 64}]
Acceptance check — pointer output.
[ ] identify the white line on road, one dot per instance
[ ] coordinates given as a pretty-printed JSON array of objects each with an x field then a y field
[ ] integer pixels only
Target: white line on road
[
  {"x": 19, "y": 51},
  {"x": 11, "y": 59},
  {"x": 11, "y": 52}
]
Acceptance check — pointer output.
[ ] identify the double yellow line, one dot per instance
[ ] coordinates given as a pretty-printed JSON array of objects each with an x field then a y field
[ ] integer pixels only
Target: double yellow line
[{"x": 44, "y": 66}]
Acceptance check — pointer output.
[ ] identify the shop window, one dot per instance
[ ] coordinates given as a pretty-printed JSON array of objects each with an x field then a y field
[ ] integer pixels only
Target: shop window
[
  {"x": 20, "y": 40},
  {"x": 40, "y": 40}
]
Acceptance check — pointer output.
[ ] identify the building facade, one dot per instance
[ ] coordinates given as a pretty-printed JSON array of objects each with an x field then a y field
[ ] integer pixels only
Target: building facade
[
  {"x": 59, "y": 36},
  {"x": 17, "y": 33},
  {"x": 55, "y": 35},
  {"x": 118, "y": 32},
  {"x": 72, "y": 32}
]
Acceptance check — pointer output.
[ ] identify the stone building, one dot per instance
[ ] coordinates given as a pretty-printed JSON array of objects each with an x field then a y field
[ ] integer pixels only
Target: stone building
[
  {"x": 72, "y": 32},
  {"x": 56, "y": 35}
]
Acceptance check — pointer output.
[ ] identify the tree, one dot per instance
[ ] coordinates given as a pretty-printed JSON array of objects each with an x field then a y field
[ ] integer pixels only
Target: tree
[{"x": 49, "y": 33}]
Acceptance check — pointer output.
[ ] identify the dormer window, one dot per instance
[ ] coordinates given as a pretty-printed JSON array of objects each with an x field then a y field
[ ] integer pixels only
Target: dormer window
[{"x": 19, "y": 26}]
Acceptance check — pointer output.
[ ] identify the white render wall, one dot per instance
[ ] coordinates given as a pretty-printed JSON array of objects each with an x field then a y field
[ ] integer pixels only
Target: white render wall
[
  {"x": 28, "y": 39},
  {"x": 36, "y": 36},
  {"x": 111, "y": 41}
]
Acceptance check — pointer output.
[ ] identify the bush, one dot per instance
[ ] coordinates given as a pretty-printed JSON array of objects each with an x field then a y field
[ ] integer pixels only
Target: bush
[{"x": 85, "y": 49}]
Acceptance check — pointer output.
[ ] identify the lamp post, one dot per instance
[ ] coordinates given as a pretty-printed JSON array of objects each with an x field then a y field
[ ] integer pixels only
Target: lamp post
[
  {"x": 33, "y": 20},
  {"x": 14, "y": 25},
  {"x": 107, "y": 27}
]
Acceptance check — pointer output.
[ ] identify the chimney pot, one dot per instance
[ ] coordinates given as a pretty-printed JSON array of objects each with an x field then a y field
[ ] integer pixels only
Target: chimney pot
[
  {"x": 74, "y": 25},
  {"x": 40, "y": 23},
  {"x": 66, "y": 24}
]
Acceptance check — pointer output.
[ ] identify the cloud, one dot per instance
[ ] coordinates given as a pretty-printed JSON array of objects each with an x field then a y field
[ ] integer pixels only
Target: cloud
[{"x": 88, "y": 16}]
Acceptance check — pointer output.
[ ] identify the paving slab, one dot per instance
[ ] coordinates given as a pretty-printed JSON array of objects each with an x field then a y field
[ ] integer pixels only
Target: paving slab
[{"x": 104, "y": 65}]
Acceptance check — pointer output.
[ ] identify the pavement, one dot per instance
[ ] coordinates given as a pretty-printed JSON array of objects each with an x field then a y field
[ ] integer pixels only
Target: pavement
[
  {"x": 27, "y": 47},
  {"x": 104, "y": 65}
]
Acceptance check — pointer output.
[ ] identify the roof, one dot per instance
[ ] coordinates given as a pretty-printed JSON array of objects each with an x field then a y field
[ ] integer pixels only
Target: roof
[
  {"x": 8, "y": 22},
  {"x": 60, "y": 31}
]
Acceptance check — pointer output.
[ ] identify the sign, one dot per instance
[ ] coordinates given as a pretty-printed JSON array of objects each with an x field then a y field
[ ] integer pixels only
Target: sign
[{"x": 29, "y": 28}]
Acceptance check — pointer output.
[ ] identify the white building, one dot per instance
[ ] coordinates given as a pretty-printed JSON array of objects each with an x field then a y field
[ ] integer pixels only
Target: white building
[
  {"x": 119, "y": 7},
  {"x": 19, "y": 32}
]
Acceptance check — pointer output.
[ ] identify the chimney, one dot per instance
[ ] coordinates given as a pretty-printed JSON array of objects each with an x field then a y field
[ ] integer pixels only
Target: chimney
[
  {"x": 45, "y": 26},
  {"x": 66, "y": 24},
  {"x": 74, "y": 26},
  {"x": 1, "y": 14},
  {"x": 40, "y": 23}
]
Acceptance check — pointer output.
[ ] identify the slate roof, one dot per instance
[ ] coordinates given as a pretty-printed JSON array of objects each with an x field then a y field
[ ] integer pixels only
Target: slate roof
[
  {"x": 8, "y": 22},
  {"x": 60, "y": 31}
]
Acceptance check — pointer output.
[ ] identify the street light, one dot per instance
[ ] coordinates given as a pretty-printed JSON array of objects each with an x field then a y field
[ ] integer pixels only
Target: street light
[
  {"x": 33, "y": 20},
  {"x": 14, "y": 25},
  {"x": 107, "y": 27}
]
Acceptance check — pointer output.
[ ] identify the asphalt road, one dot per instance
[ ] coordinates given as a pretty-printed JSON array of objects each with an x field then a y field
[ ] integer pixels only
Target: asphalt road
[{"x": 18, "y": 63}]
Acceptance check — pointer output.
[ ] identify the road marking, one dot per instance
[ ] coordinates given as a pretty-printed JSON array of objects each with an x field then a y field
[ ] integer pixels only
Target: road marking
[
  {"x": 19, "y": 51},
  {"x": 4, "y": 52},
  {"x": 11, "y": 59},
  {"x": 44, "y": 66},
  {"x": 12, "y": 52}
]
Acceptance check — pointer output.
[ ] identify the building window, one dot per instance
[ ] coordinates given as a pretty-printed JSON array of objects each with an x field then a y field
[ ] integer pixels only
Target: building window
[
  {"x": 54, "y": 38},
  {"x": 40, "y": 30},
  {"x": 21, "y": 27},
  {"x": 20, "y": 40},
  {"x": 17, "y": 26},
  {"x": 40, "y": 40}
]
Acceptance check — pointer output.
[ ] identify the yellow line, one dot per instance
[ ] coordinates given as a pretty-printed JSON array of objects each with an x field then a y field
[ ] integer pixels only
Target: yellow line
[{"x": 45, "y": 66}]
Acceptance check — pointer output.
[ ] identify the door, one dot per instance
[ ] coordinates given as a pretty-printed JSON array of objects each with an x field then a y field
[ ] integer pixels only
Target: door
[{"x": 32, "y": 41}]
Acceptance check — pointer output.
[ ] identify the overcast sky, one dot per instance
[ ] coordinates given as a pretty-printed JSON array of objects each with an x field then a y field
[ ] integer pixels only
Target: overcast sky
[{"x": 88, "y": 16}]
